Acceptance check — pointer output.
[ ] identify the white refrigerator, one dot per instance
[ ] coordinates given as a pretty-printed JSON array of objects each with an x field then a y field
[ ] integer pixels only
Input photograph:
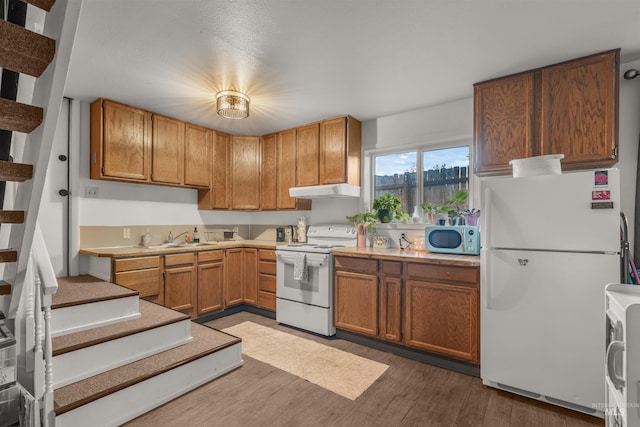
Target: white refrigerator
[{"x": 550, "y": 244}]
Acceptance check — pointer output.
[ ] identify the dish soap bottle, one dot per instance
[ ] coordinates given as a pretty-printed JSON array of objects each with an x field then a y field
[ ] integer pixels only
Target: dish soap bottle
[
  {"x": 146, "y": 240},
  {"x": 196, "y": 237}
]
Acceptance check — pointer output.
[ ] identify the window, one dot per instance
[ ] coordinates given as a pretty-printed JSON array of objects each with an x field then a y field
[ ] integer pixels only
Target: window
[{"x": 421, "y": 175}]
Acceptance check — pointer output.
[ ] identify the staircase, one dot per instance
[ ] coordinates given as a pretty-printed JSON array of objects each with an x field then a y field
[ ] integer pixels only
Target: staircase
[
  {"x": 89, "y": 352},
  {"x": 110, "y": 369}
]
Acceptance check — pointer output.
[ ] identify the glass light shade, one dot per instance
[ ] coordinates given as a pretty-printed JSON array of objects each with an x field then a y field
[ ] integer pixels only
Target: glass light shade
[{"x": 232, "y": 104}]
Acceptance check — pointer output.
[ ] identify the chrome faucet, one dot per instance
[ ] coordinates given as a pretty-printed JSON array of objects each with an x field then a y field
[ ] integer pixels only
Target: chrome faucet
[{"x": 170, "y": 238}]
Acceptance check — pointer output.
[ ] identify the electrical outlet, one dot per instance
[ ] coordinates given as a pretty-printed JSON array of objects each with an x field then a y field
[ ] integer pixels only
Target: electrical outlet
[
  {"x": 126, "y": 233},
  {"x": 403, "y": 236},
  {"x": 91, "y": 192}
]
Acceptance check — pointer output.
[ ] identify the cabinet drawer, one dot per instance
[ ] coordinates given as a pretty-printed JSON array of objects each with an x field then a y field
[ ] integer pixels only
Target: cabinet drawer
[
  {"x": 210, "y": 256},
  {"x": 179, "y": 259},
  {"x": 146, "y": 282},
  {"x": 266, "y": 283},
  {"x": 443, "y": 272},
  {"x": 267, "y": 254},
  {"x": 267, "y": 267},
  {"x": 392, "y": 268},
  {"x": 357, "y": 264},
  {"x": 267, "y": 300},
  {"x": 126, "y": 264}
]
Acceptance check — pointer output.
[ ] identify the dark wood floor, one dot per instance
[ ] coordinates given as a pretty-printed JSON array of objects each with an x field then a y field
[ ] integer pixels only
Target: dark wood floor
[{"x": 409, "y": 393}]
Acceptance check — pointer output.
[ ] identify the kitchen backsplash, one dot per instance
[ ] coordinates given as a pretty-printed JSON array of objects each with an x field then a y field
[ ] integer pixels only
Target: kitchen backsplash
[{"x": 108, "y": 236}]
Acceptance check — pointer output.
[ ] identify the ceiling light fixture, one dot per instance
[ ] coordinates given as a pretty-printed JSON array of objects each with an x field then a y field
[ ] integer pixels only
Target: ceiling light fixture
[{"x": 232, "y": 104}]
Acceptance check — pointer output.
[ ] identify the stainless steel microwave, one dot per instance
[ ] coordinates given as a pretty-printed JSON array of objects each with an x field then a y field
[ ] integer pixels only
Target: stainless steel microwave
[{"x": 452, "y": 239}]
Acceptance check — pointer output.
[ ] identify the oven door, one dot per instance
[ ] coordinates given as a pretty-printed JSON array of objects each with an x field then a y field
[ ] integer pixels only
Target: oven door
[{"x": 316, "y": 290}]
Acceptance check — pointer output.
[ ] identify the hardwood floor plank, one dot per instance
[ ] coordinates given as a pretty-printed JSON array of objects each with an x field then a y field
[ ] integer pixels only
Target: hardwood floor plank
[{"x": 409, "y": 393}]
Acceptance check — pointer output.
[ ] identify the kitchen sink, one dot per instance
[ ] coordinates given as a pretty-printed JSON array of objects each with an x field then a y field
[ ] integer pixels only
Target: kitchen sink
[
  {"x": 180, "y": 245},
  {"x": 164, "y": 246}
]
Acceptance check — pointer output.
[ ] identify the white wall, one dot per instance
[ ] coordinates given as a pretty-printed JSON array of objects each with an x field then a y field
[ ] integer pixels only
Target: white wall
[
  {"x": 431, "y": 125},
  {"x": 53, "y": 207}
]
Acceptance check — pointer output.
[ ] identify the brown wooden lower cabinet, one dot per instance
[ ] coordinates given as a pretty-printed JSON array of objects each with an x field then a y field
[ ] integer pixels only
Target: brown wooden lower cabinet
[
  {"x": 180, "y": 291},
  {"x": 250, "y": 276},
  {"x": 267, "y": 279},
  {"x": 442, "y": 318},
  {"x": 431, "y": 307},
  {"x": 391, "y": 308},
  {"x": 241, "y": 284},
  {"x": 202, "y": 282},
  {"x": 356, "y": 302},
  {"x": 141, "y": 274},
  {"x": 210, "y": 281},
  {"x": 233, "y": 277}
]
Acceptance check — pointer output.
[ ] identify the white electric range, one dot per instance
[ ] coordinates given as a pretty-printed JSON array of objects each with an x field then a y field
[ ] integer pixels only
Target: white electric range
[{"x": 306, "y": 301}]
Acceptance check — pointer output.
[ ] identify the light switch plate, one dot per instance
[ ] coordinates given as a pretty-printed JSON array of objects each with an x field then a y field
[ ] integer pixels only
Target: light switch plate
[{"x": 91, "y": 192}]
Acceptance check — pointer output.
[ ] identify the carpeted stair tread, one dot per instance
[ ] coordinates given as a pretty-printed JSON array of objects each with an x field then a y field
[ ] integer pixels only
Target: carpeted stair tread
[
  {"x": 77, "y": 290},
  {"x": 152, "y": 316},
  {"x": 205, "y": 341}
]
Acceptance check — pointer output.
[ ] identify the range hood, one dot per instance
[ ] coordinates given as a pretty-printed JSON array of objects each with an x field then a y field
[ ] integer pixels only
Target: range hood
[{"x": 325, "y": 191}]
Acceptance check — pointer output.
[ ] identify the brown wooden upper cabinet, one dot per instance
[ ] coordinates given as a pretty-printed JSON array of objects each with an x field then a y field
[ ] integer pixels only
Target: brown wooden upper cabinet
[
  {"x": 167, "y": 148},
  {"x": 569, "y": 108},
  {"x": 218, "y": 195},
  {"x": 340, "y": 143},
  {"x": 134, "y": 145},
  {"x": 120, "y": 142},
  {"x": 287, "y": 169},
  {"x": 308, "y": 155},
  {"x": 245, "y": 172},
  {"x": 230, "y": 172},
  {"x": 197, "y": 156},
  {"x": 268, "y": 181}
]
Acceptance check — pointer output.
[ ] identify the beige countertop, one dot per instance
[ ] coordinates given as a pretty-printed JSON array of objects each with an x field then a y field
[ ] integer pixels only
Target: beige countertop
[
  {"x": 122, "y": 251},
  {"x": 409, "y": 255},
  {"x": 368, "y": 252}
]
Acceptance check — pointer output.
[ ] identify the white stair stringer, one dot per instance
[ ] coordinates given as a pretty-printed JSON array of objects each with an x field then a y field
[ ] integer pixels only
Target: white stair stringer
[
  {"x": 128, "y": 403},
  {"x": 66, "y": 320},
  {"x": 85, "y": 362}
]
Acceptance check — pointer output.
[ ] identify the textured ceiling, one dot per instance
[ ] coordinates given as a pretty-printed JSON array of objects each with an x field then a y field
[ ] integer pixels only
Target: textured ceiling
[{"x": 305, "y": 60}]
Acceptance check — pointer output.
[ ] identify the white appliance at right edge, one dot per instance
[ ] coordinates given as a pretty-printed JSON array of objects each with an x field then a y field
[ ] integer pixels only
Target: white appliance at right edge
[{"x": 550, "y": 245}]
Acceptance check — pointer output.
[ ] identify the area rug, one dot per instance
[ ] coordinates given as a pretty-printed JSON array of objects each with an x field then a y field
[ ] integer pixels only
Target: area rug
[{"x": 338, "y": 371}]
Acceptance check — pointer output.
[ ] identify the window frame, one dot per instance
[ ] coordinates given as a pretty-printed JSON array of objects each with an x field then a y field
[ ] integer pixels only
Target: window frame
[{"x": 369, "y": 166}]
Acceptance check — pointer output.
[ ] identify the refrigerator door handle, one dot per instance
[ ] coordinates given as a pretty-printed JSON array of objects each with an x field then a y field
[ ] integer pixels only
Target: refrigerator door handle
[
  {"x": 486, "y": 214},
  {"x": 614, "y": 348},
  {"x": 484, "y": 280}
]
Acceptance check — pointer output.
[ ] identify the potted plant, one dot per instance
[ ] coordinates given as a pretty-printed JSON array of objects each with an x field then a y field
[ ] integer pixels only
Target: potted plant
[
  {"x": 455, "y": 205},
  {"x": 385, "y": 206},
  {"x": 402, "y": 217},
  {"x": 365, "y": 223},
  {"x": 471, "y": 216},
  {"x": 368, "y": 219},
  {"x": 433, "y": 211}
]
